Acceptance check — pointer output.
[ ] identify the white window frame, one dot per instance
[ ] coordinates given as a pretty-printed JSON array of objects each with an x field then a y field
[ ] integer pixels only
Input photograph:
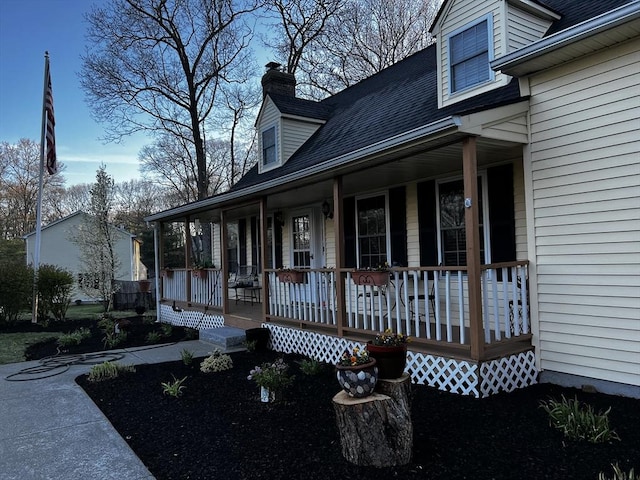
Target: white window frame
[
  {"x": 387, "y": 222},
  {"x": 277, "y": 163},
  {"x": 490, "y": 53},
  {"x": 485, "y": 215}
]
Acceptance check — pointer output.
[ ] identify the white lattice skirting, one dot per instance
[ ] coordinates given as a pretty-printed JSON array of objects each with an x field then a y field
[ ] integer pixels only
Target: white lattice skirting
[
  {"x": 190, "y": 318},
  {"x": 456, "y": 376}
]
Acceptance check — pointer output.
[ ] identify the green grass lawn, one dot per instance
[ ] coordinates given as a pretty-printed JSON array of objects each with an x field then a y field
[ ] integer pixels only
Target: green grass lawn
[{"x": 12, "y": 345}]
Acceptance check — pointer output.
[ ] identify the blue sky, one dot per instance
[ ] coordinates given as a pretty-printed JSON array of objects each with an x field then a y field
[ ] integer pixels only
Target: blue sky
[{"x": 28, "y": 28}]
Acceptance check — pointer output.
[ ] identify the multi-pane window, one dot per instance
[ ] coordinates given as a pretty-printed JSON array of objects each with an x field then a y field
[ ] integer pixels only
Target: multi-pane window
[
  {"x": 469, "y": 57},
  {"x": 453, "y": 247},
  {"x": 372, "y": 232},
  {"x": 269, "y": 146},
  {"x": 301, "y": 241}
]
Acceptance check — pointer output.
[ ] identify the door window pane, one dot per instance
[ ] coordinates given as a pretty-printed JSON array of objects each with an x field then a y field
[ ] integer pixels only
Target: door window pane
[{"x": 372, "y": 232}]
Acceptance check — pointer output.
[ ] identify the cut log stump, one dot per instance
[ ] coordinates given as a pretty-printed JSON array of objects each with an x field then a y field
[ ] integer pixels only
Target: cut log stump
[{"x": 376, "y": 430}]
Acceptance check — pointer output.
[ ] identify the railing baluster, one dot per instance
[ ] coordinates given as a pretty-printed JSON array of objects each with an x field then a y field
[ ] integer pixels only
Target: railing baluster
[
  {"x": 496, "y": 313},
  {"x": 448, "y": 304},
  {"x": 505, "y": 303},
  {"x": 461, "y": 306},
  {"x": 436, "y": 286},
  {"x": 427, "y": 305},
  {"x": 524, "y": 295}
]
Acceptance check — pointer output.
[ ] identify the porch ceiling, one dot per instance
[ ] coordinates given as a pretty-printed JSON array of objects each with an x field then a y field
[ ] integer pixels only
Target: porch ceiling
[{"x": 419, "y": 161}]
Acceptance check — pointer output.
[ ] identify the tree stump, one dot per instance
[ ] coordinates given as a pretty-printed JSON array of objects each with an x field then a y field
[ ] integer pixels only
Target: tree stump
[{"x": 376, "y": 430}]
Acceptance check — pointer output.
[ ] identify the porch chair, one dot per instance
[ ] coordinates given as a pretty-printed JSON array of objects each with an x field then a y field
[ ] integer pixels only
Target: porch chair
[{"x": 242, "y": 278}]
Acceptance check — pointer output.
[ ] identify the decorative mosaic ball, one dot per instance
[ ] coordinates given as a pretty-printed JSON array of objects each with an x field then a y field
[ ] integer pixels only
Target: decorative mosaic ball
[{"x": 358, "y": 381}]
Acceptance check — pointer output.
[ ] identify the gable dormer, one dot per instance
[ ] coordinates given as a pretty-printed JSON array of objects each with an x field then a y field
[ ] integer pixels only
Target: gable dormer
[
  {"x": 284, "y": 122},
  {"x": 470, "y": 34}
]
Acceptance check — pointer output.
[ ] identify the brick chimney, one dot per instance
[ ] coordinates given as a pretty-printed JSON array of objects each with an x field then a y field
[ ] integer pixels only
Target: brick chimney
[{"x": 278, "y": 82}]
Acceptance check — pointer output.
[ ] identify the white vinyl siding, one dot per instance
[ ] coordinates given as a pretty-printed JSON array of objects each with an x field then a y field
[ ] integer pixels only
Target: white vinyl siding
[
  {"x": 524, "y": 28},
  {"x": 586, "y": 192},
  {"x": 294, "y": 134},
  {"x": 520, "y": 211},
  {"x": 269, "y": 118}
]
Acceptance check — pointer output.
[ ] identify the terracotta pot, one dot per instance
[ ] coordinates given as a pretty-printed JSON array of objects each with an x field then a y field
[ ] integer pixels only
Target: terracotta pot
[
  {"x": 370, "y": 277},
  {"x": 291, "y": 276},
  {"x": 358, "y": 381},
  {"x": 391, "y": 361}
]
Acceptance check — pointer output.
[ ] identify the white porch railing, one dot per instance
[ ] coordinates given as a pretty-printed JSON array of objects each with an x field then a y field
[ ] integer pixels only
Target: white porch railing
[
  {"x": 425, "y": 303},
  {"x": 196, "y": 286}
]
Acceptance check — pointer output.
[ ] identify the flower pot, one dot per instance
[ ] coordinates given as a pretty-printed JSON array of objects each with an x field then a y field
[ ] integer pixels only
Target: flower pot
[
  {"x": 391, "y": 360},
  {"x": 358, "y": 381},
  {"x": 260, "y": 336},
  {"x": 267, "y": 396},
  {"x": 370, "y": 277},
  {"x": 167, "y": 273},
  {"x": 291, "y": 276},
  {"x": 199, "y": 273}
]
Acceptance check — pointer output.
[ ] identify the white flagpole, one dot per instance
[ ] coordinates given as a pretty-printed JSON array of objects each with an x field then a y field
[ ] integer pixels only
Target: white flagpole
[{"x": 36, "y": 250}]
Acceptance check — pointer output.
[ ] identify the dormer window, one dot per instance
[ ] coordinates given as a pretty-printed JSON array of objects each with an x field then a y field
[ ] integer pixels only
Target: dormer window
[
  {"x": 469, "y": 54},
  {"x": 269, "y": 146}
]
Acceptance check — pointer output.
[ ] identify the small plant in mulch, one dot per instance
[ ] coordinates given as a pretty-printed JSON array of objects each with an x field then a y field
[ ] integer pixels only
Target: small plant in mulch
[
  {"x": 618, "y": 474},
  {"x": 216, "y": 362},
  {"x": 175, "y": 388},
  {"x": 579, "y": 421},
  {"x": 251, "y": 345},
  {"x": 108, "y": 370},
  {"x": 310, "y": 366},
  {"x": 152, "y": 338},
  {"x": 74, "y": 338},
  {"x": 272, "y": 376},
  {"x": 166, "y": 329},
  {"x": 187, "y": 356}
]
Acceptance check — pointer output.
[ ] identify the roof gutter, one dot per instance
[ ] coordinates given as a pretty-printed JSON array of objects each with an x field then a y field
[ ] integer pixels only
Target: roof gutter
[
  {"x": 567, "y": 37},
  {"x": 405, "y": 137}
]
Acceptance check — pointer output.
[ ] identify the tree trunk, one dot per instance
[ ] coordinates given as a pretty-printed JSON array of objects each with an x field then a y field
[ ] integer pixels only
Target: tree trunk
[{"x": 376, "y": 430}]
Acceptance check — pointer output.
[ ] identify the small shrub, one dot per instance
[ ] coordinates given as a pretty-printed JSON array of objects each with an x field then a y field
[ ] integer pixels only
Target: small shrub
[
  {"x": 54, "y": 291},
  {"x": 16, "y": 290},
  {"x": 187, "y": 356},
  {"x": 251, "y": 345},
  {"x": 578, "y": 421},
  {"x": 113, "y": 339},
  {"x": 174, "y": 388},
  {"x": 152, "y": 337},
  {"x": 148, "y": 320},
  {"x": 618, "y": 474},
  {"x": 166, "y": 329},
  {"x": 108, "y": 370},
  {"x": 140, "y": 309},
  {"x": 74, "y": 338},
  {"x": 311, "y": 366},
  {"x": 216, "y": 362},
  {"x": 191, "y": 333},
  {"x": 272, "y": 376}
]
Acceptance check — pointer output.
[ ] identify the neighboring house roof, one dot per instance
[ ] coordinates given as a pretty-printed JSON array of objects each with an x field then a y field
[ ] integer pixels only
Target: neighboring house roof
[{"x": 75, "y": 214}]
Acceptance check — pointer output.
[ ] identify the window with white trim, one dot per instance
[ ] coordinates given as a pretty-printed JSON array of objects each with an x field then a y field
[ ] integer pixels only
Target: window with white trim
[
  {"x": 269, "y": 149},
  {"x": 451, "y": 223},
  {"x": 470, "y": 51},
  {"x": 372, "y": 231}
]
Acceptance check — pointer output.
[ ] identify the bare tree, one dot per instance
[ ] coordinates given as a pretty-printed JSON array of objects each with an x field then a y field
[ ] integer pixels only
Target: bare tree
[
  {"x": 158, "y": 66},
  {"x": 19, "y": 180},
  {"x": 351, "y": 42}
]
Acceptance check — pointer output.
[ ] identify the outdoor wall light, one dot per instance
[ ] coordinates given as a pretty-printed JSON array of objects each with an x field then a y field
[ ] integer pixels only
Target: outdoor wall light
[{"x": 326, "y": 210}]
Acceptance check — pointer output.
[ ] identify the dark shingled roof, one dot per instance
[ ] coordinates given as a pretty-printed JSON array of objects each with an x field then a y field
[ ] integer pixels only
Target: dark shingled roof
[{"x": 396, "y": 100}]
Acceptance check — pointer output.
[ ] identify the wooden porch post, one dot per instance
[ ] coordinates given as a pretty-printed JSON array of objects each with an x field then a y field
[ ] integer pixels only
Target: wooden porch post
[
  {"x": 338, "y": 228},
  {"x": 471, "y": 221},
  {"x": 225, "y": 262},
  {"x": 263, "y": 255},
  {"x": 187, "y": 258},
  {"x": 160, "y": 265}
]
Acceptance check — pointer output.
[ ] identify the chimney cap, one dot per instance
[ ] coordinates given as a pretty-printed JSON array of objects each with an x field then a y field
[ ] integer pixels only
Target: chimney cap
[{"x": 273, "y": 66}]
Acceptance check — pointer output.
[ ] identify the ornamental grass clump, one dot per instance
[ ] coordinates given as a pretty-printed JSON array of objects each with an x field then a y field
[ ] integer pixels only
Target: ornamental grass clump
[
  {"x": 216, "y": 362},
  {"x": 619, "y": 474},
  {"x": 357, "y": 356},
  {"x": 390, "y": 339},
  {"x": 272, "y": 376},
  {"x": 579, "y": 421},
  {"x": 108, "y": 370}
]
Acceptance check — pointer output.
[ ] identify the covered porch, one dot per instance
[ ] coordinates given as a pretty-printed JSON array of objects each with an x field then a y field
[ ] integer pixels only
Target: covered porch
[{"x": 470, "y": 322}]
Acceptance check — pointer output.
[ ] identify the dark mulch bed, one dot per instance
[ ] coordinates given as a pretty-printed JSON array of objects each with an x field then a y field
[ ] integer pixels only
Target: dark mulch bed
[
  {"x": 135, "y": 326},
  {"x": 220, "y": 430}
]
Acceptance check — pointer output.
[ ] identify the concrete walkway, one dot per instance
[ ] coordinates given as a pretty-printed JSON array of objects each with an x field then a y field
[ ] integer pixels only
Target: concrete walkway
[{"x": 50, "y": 429}]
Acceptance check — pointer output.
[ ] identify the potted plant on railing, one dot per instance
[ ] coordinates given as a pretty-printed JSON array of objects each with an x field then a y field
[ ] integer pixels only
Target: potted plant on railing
[
  {"x": 290, "y": 275},
  {"x": 199, "y": 269},
  {"x": 167, "y": 272},
  {"x": 357, "y": 373},
  {"x": 376, "y": 276},
  {"x": 390, "y": 352}
]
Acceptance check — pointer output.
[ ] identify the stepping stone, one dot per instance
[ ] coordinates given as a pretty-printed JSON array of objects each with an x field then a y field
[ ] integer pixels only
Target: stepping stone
[{"x": 224, "y": 337}]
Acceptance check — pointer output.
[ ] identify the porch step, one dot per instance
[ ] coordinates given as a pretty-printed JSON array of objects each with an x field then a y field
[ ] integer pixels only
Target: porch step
[{"x": 224, "y": 337}]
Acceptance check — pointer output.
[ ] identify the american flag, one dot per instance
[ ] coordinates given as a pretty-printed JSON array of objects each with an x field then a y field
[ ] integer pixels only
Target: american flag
[{"x": 52, "y": 164}]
